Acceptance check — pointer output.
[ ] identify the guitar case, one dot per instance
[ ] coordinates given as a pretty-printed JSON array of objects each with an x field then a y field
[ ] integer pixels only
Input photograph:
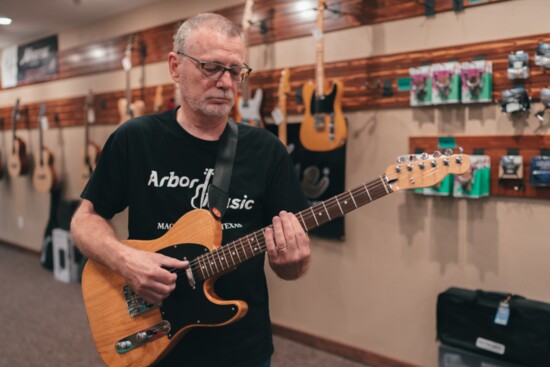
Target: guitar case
[{"x": 61, "y": 212}]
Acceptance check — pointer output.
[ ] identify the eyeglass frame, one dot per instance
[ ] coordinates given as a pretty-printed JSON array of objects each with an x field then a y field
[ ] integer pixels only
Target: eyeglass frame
[{"x": 202, "y": 63}]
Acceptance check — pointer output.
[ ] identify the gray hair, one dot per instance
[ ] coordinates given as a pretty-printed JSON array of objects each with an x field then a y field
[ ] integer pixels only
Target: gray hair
[{"x": 214, "y": 22}]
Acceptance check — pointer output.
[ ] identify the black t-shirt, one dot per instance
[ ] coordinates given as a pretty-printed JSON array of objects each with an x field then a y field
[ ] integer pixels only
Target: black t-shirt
[{"x": 160, "y": 172}]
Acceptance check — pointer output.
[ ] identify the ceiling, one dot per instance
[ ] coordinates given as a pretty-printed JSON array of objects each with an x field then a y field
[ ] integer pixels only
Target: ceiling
[{"x": 33, "y": 19}]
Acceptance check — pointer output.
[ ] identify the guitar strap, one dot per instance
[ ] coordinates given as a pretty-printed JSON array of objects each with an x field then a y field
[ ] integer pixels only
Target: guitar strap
[{"x": 217, "y": 191}]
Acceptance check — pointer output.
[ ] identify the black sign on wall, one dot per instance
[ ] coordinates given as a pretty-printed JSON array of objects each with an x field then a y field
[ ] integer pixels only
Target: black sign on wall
[{"x": 37, "y": 60}]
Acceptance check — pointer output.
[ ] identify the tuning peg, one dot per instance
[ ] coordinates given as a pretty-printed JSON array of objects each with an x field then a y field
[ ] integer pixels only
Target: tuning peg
[
  {"x": 460, "y": 150},
  {"x": 424, "y": 156},
  {"x": 436, "y": 154},
  {"x": 401, "y": 159},
  {"x": 448, "y": 152}
]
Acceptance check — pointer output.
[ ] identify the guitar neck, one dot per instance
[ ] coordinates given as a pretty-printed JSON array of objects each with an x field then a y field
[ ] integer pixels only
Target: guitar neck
[
  {"x": 320, "y": 65},
  {"x": 234, "y": 253}
]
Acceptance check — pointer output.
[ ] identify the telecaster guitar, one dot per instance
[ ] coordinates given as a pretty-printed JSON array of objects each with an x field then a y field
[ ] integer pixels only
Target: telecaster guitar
[
  {"x": 44, "y": 177},
  {"x": 247, "y": 109},
  {"x": 323, "y": 127},
  {"x": 129, "y": 332},
  {"x": 126, "y": 108}
]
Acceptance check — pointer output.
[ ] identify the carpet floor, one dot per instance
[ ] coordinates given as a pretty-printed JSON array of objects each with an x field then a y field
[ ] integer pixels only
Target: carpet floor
[{"x": 45, "y": 324}]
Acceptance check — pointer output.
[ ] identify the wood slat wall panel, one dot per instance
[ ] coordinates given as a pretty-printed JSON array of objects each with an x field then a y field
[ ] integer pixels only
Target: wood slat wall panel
[
  {"x": 362, "y": 78},
  {"x": 283, "y": 21}
]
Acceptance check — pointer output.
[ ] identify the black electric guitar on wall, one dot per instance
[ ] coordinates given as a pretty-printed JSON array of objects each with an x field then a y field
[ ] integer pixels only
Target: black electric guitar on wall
[
  {"x": 129, "y": 332},
  {"x": 91, "y": 149},
  {"x": 18, "y": 160},
  {"x": 323, "y": 127},
  {"x": 44, "y": 178},
  {"x": 247, "y": 108}
]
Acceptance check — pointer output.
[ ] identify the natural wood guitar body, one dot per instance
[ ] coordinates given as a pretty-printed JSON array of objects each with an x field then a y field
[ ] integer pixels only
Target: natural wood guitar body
[
  {"x": 323, "y": 127},
  {"x": 44, "y": 177},
  {"x": 18, "y": 160},
  {"x": 196, "y": 232}
]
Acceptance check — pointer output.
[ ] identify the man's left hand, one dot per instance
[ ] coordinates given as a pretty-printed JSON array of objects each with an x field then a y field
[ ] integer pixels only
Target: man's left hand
[{"x": 287, "y": 246}]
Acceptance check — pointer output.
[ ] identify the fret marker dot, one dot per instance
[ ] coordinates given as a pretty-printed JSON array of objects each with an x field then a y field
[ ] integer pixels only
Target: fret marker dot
[{"x": 320, "y": 213}]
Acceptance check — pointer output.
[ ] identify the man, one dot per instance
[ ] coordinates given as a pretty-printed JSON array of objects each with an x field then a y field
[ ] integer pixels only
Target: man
[{"x": 160, "y": 166}]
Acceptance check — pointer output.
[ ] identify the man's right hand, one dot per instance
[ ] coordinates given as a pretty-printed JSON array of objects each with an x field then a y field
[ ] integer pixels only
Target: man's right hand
[{"x": 147, "y": 275}]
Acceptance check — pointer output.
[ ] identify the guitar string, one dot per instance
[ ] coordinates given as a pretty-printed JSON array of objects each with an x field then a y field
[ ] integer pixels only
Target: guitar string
[
  {"x": 378, "y": 187},
  {"x": 330, "y": 204}
]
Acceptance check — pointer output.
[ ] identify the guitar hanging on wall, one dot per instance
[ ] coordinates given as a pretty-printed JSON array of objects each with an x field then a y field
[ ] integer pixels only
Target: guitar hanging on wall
[
  {"x": 248, "y": 109},
  {"x": 91, "y": 149},
  {"x": 323, "y": 127},
  {"x": 1, "y": 163},
  {"x": 126, "y": 108},
  {"x": 129, "y": 332},
  {"x": 44, "y": 178},
  {"x": 18, "y": 160},
  {"x": 279, "y": 113}
]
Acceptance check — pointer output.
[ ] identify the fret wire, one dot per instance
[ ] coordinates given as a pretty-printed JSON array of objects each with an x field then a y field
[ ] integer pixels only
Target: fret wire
[
  {"x": 249, "y": 245},
  {"x": 302, "y": 218},
  {"x": 384, "y": 185},
  {"x": 256, "y": 237},
  {"x": 326, "y": 211},
  {"x": 314, "y": 216},
  {"x": 338, "y": 202},
  {"x": 367, "y": 190}
]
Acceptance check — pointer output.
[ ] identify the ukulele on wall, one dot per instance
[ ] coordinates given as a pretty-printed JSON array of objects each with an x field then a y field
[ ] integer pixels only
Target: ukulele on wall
[
  {"x": 18, "y": 160},
  {"x": 248, "y": 109},
  {"x": 44, "y": 177},
  {"x": 91, "y": 149},
  {"x": 126, "y": 108},
  {"x": 323, "y": 127}
]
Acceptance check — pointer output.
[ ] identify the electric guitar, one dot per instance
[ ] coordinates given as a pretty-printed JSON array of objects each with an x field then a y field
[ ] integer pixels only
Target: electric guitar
[
  {"x": 44, "y": 177},
  {"x": 279, "y": 114},
  {"x": 323, "y": 127},
  {"x": 91, "y": 149},
  {"x": 126, "y": 108},
  {"x": 248, "y": 109},
  {"x": 129, "y": 332},
  {"x": 159, "y": 100},
  {"x": 1, "y": 163},
  {"x": 18, "y": 160}
]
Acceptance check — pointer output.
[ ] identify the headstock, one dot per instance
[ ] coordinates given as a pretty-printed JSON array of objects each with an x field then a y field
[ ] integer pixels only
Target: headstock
[
  {"x": 247, "y": 15},
  {"x": 127, "y": 59},
  {"x": 423, "y": 171},
  {"x": 284, "y": 84}
]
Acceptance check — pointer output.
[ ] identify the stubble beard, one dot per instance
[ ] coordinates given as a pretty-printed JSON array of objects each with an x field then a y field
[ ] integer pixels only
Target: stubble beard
[{"x": 212, "y": 109}]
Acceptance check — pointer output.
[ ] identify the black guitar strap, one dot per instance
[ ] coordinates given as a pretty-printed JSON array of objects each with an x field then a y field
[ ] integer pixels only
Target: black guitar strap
[{"x": 218, "y": 190}]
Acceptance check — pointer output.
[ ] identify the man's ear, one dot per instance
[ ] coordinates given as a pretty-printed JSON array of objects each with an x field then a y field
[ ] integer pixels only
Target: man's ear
[{"x": 173, "y": 64}]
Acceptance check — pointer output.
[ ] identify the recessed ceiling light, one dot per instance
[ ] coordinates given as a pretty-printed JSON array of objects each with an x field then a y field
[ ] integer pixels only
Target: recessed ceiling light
[{"x": 5, "y": 21}]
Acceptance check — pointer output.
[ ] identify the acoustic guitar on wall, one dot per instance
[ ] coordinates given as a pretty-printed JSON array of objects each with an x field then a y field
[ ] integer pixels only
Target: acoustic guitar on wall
[
  {"x": 126, "y": 108},
  {"x": 247, "y": 108},
  {"x": 127, "y": 331},
  {"x": 323, "y": 127},
  {"x": 91, "y": 149},
  {"x": 18, "y": 160},
  {"x": 44, "y": 177}
]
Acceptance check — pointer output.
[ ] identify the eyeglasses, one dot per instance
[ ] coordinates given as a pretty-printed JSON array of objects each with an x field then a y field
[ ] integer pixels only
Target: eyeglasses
[{"x": 214, "y": 70}]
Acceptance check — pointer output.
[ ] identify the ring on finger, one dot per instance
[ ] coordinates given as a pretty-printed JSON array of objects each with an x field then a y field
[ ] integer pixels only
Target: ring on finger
[{"x": 281, "y": 250}]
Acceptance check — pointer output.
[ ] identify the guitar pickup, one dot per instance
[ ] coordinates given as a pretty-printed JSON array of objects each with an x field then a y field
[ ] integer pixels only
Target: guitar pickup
[
  {"x": 136, "y": 305},
  {"x": 142, "y": 337}
]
